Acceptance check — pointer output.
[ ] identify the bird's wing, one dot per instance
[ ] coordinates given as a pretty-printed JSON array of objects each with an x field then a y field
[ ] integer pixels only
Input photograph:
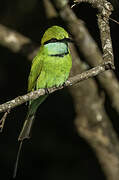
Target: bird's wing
[{"x": 35, "y": 72}]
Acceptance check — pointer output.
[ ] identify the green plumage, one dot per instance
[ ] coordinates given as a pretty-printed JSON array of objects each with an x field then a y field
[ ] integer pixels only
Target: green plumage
[{"x": 51, "y": 67}]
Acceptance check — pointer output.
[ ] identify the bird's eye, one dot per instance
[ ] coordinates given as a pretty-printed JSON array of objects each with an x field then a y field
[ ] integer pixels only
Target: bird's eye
[{"x": 51, "y": 41}]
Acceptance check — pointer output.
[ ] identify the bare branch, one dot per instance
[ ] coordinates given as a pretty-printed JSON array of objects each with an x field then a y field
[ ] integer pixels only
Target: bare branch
[{"x": 73, "y": 80}]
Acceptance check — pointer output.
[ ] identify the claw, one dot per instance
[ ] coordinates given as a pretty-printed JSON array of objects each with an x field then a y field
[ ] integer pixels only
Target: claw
[{"x": 46, "y": 91}]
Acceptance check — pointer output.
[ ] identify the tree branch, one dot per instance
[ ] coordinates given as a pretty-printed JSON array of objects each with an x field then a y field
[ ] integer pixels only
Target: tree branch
[
  {"x": 73, "y": 80},
  {"x": 104, "y": 11}
]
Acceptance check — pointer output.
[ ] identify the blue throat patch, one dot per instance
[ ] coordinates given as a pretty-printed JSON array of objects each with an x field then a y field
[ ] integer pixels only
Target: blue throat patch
[{"x": 57, "y": 48}]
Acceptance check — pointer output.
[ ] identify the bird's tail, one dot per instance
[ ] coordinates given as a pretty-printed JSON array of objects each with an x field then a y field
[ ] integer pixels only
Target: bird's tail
[{"x": 26, "y": 130}]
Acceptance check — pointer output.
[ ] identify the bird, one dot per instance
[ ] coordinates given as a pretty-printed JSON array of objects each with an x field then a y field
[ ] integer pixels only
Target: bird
[{"x": 50, "y": 68}]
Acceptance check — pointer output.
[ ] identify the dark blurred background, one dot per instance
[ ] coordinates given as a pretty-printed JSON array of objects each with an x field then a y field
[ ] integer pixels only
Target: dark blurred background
[{"x": 55, "y": 150}]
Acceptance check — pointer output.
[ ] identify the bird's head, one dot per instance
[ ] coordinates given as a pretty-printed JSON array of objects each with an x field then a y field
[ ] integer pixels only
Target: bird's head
[{"x": 55, "y": 34}]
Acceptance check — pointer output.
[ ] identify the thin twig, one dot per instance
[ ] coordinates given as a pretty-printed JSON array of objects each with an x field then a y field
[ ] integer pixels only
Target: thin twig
[
  {"x": 114, "y": 20},
  {"x": 2, "y": 121}
]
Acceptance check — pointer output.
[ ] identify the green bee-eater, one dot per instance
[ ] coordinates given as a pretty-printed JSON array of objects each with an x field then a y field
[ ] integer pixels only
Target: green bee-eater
[{"x": 50, "y": 68}]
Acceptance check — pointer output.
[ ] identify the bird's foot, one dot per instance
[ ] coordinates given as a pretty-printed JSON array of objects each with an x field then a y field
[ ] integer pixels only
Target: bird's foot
[
  {"x": 46, "y": 91},
  {"x": 64, "y": 84}
]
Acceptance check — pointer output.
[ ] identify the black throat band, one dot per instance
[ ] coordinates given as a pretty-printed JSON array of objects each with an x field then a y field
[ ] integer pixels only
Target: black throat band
[{"x": 59, "y": 55}]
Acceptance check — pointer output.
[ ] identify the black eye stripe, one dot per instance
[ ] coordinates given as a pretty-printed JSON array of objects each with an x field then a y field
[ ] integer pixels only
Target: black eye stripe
[
  {"x": 51, "y": 41},
  {"x": 59, "y": 40}
]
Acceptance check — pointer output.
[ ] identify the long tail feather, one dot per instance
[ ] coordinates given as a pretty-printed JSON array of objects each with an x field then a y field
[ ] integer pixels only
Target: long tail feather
[
  {"x": 17, "y": 160},
  {"x": 26, "y": 130}
]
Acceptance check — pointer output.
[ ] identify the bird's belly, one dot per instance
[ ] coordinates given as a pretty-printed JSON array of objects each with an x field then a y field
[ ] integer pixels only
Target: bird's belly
[{"x": 55, "y": 72}]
